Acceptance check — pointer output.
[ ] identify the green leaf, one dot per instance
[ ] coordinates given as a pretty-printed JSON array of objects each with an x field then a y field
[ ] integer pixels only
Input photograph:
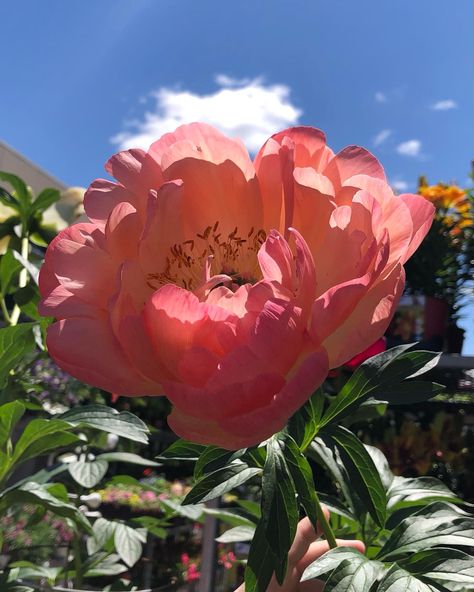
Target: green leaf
[
  {"x": 109, "y": 420},
  {"x": 237, "y": 534},
  {"x": 381, "y": 463},
  {"x": 88, "y": 473},
  {"x": 251, "y": 507},
  {"x": 424, "y": 530},
  {"x": 357, "y": 573},
  {"x": 103, "y": 564},
  {"x": 279, "y": 507},
  {"x": 442, "y": 564},
  {"x": 411, "y": 391},
  {"x": 22, "y": 193},
  {"x": 381, "y": 373},
  {"x": 155, "y": 526},
  {"x": 260, "y": 563},
  {"x": 41, "y": 436},
  {"x": 213, "y": 458},
  {"x": 328, "y": 456},
  {"x": 9, "y": 268},
  {"x": 335, "y": 506},
  {"x": 128, "y": 457},
  {"x": 30, "y": 268},
  {"x": 49, "y": 496},
  {"x": 302, "y": 475},
  {"x": 15, "y": 343},
  {"x": 415, "y": 491},
  {"x": 193, "y": 512},
  {"x": 219, "y": 482},
  {"x": 183, "y": 450},
  {"x": 45, "y": 199},
  {"x": 399, "y": 580},
  {"x": 103, "y": 531},
  {"x": 128, "y": 543},
  {"x": 231, "y": 517},
  {"x": 303, "y": 425},
  {"x": 362, "y": 472},
  {"x": 331, "y": 561},
  {"x": 10, "y": 414}
]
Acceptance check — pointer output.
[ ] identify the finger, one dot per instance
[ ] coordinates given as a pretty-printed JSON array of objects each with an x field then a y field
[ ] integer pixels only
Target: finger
[
  {"x": 311, "y": 586},
  {"x": 318, "y": 548},
  {"x": 305, "y": 535}
]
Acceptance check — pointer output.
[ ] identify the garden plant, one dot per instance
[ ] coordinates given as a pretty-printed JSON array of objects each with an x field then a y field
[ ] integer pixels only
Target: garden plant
[{"x": 232, "y": 287}]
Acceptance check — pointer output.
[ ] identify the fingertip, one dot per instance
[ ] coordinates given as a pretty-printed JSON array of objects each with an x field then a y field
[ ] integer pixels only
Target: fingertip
[{"x": 355, "y": 544}]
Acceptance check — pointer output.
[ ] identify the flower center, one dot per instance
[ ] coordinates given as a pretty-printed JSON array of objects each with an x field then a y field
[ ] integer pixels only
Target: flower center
[{"x": 212, "y": 252}]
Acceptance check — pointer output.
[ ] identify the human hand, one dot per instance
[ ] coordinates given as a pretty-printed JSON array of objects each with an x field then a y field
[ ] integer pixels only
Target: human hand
[{"x": 304, "y": 550}]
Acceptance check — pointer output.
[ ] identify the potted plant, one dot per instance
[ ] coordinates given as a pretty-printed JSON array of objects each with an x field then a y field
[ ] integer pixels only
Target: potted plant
[{"x": 442, "y": 269}]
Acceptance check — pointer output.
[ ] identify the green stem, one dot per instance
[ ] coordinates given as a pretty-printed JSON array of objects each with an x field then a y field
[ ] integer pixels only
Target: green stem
[
  {"x": 23, "y": 278},
  {"x": 325, "y": 526},
  {"x": 76, "y": 546},
  {"x": 6, "y": 314}
]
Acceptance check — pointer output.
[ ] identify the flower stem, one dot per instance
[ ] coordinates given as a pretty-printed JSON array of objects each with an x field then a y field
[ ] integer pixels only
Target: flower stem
[
  {"x": 23, "y": 278},
  {"x": 325, "y": 526}
]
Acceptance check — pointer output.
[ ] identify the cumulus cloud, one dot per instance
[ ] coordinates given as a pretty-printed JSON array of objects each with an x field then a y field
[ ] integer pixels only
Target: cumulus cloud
[
  {"x": 380, "y": 97},
  {"x": 382, "y": 136},
  {"x": 248, "y": 109},
  {"x": 399, "y": 185},
  {"x": 444, "y": 105},
  {"x": 409, "y": 148}
]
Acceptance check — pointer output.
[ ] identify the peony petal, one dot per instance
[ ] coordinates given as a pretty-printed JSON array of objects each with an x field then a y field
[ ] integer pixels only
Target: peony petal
[
  {"x": 100, "y": 199},
  {"x": 422, "y": 212},
  {"x": 87, "y": 349},
  {"x": 351, "y": 161}
]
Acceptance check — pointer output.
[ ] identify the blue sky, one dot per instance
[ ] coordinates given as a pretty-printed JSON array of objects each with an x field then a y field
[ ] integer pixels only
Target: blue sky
[{"x": 82, "y": 78}]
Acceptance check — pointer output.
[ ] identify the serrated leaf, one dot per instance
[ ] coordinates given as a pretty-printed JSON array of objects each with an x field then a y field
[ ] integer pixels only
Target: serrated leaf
[
  {"x": 128, "y": 457},
  {"x": 183, "y": 450},
  {"x": 362, "y": 472},
  {"x": 128, "y": 543},
  {"x": 109, "y": 420},
  {"x": 219, "y": 482},
  {"x": 88, "y": 473},
  {"x": 213, "y": 458},
  {"x": 237, "y": 534}
]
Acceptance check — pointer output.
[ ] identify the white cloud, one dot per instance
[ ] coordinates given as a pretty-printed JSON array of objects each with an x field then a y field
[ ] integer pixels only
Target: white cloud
[
  {"x": 444, "y": 105},
  {"x": 382, "y": 136},
  {"x": 380, "y": 97},
  {"x": 409, "y": 148},
  {"x": 399, "y": 185},
  {"x": 248, "y": 109}
]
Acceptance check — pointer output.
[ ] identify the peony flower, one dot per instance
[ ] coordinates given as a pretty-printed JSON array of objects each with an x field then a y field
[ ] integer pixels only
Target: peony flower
[{"x": 230, "y": 286}]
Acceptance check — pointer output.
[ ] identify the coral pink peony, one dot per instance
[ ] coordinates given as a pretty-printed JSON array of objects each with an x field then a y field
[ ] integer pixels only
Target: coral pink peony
[{"x": 230, "y": 286}]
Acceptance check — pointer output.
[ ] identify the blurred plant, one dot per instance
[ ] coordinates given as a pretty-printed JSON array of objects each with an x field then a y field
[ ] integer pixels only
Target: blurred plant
[{"x": 443, "y": 266}]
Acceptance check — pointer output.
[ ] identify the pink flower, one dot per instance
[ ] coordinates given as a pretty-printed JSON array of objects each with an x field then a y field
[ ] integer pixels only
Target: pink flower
[
  {"x": 192, "y": 573},
  {"x": 230, "y": 286}
]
